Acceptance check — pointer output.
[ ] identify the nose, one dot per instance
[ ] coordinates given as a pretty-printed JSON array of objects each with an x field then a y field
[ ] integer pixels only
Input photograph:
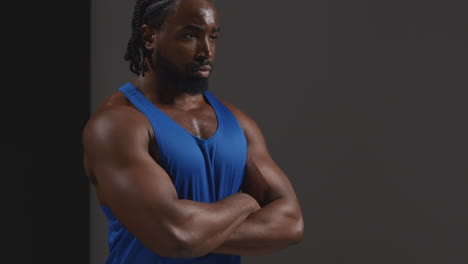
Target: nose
[{"x": 205, "y": 50}]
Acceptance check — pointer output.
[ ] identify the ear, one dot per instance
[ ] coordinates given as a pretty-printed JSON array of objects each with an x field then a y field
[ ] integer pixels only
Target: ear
[{"x": 148, "y": 36}]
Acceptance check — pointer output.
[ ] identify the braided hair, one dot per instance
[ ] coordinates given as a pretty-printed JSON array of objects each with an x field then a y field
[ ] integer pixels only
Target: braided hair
[{"x": 152, "y": 13}]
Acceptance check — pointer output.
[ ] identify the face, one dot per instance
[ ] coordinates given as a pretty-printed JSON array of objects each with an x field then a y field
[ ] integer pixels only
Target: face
[{"x": 185, "y": 46}]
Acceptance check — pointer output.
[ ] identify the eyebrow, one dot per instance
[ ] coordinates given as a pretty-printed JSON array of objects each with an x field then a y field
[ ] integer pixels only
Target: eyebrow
[{"x": 200, "y": 28}]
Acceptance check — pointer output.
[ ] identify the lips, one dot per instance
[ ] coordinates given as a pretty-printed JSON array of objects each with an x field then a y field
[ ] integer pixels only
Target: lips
[
  {"x": 203, "y": 71},
  {"x": 203, "y": 68}
]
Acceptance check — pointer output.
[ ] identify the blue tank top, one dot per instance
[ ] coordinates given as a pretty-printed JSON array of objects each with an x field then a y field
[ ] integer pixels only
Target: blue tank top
[{"x": 204, "y": 170}]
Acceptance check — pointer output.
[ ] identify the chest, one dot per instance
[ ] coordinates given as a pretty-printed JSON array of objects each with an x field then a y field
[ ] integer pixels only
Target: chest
[
  {"x": 202, "y": 169},
  {"x": 203, "y": 151},
  {"x": 200, "y": 122}
]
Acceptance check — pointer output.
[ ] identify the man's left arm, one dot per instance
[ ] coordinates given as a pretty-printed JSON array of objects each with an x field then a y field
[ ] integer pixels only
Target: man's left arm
[{"x": 279, "y": 223}]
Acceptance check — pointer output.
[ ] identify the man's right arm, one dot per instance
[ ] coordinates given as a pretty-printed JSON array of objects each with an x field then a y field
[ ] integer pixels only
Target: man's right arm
[{"x": 142, "y": 196}]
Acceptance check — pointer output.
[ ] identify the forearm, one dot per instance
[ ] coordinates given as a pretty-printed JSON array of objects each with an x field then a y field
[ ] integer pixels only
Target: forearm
[
  {"x": 273, "y": 227},
  {"x": 206, "y": 226}
]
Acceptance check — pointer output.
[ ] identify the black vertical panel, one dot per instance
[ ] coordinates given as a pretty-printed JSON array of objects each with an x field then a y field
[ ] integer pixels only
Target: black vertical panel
[{"x": 47, "y": 106}]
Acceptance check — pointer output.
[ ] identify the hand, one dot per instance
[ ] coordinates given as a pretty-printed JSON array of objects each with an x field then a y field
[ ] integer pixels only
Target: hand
[{"x": 251, "y": 201}]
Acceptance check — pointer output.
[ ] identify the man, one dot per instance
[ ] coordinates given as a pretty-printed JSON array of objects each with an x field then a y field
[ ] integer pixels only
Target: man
[{"x": 182, "y": 176}]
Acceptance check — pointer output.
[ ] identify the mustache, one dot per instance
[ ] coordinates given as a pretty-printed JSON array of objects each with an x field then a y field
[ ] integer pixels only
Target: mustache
[{"x": 195, "y": 65}]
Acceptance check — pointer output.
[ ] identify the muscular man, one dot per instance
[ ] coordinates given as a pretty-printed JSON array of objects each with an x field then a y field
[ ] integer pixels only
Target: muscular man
[{"x": 181, "y": 176}]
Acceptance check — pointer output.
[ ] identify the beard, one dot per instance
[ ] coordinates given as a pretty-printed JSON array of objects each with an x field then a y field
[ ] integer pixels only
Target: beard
[{"x": 182, "y": 81}]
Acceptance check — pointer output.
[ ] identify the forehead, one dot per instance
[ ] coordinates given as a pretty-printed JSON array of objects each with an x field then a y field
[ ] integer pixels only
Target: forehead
[{"x": 198, "y": 12}]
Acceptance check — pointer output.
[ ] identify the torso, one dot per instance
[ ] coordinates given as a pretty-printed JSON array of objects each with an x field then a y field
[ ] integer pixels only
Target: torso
[{"x": 200, "y": 121}]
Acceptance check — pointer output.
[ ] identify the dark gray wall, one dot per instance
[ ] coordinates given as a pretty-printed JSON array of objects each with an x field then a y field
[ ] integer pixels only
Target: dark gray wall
[
  {"x": 362, "y": 103},
  {"x": 110, "y": 27}
]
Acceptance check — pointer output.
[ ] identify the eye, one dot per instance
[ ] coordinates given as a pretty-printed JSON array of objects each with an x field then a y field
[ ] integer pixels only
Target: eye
[
  {"x": 214, "y": 37},
  {"x": 190, "y": 35}
]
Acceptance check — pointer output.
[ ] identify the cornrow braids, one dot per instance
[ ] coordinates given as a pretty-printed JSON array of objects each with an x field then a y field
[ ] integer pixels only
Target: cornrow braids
[{"x": 152, "y": 13}]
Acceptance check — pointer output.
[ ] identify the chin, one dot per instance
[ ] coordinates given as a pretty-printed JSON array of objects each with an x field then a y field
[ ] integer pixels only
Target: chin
[{"x": 192, "y": 85}]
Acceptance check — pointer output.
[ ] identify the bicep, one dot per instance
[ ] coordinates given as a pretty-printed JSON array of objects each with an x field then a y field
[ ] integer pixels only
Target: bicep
[
  {"x": 265, "y": 181},
  {"x": 263, "y": 178},
  {"x": 128, "y": 181}
]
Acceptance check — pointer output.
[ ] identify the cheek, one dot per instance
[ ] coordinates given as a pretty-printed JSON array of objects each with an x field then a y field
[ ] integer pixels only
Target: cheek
[
  {"x": 177, "y": 56},
  {"x": 184, "y": 52},
  {"x": 213, "y": 49}
]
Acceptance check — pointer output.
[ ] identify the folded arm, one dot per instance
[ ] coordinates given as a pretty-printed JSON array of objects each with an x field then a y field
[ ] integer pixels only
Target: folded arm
[
  {"x": 279, "y": 223},
  {"x": 142, "y": 196}
]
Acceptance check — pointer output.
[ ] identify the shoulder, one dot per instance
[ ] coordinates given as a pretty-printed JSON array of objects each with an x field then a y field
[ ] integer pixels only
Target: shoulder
[
  {"x": 246, "y": 122},
  {"x": 115, "y": 118}
]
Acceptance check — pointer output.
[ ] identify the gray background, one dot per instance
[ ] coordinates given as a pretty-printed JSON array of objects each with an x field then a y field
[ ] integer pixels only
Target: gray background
[{"x": 362, "y": 103}]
